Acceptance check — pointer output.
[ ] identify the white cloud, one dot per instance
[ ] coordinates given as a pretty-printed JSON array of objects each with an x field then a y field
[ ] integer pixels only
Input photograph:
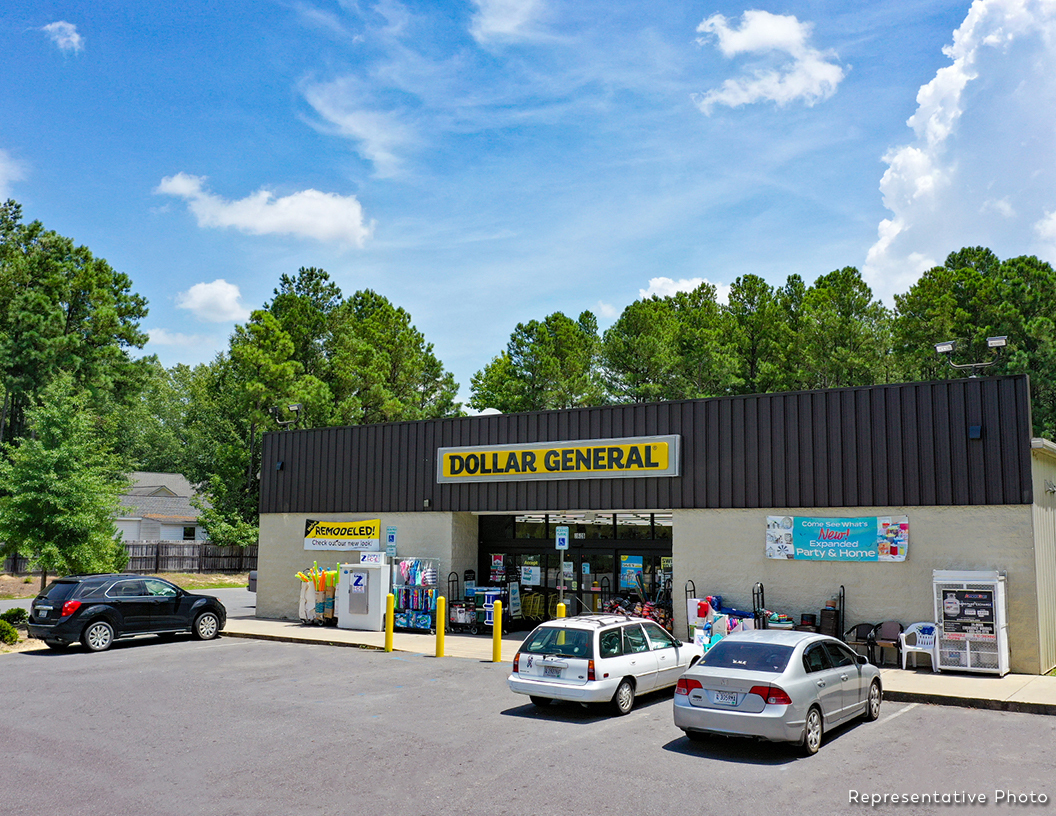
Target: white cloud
[
  {"x": 216, "y": 302},
  {"x": 979, "y": 170},
  {"x": 666, "y": 287},
  {"x": 10, "y": 172},
  {"x": 1046, "y": 228},
  {"x": 606, "y": 310},
  {"x": 504, "y": 19},
  {"x": 1001, "y": 206},
  {"x": 379, "y": 134},
  {"x": 308, "y": 214},
  {"x": 65, "y": 36},
  {"x": 803, "y": 72},
  {"x": 164, "y": 337}
]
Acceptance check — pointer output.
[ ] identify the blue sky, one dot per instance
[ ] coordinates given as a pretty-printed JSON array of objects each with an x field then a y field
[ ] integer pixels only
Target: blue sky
[{"x": 486, "y": 162}]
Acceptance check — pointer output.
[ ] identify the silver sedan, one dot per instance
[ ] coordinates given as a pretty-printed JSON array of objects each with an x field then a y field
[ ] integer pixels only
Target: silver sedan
[{"x": 776, "y": 685}]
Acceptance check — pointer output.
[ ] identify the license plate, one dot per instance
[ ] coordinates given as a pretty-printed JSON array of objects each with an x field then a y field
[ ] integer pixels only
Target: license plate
[
  {"x": 726, "y": 697},
  {"x": 551, "y": 671},
  {"x": 42, "y": 613}
]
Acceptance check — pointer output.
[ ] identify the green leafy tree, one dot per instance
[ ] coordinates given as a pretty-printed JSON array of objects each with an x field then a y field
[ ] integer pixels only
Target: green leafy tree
[
  {"x": 704, "y": 366},
  {"x": 843, "y": 331},
  {"x": 381, "y": 367},
  {"x": 263, "y": 376},
  {"x": 640, "y": 352},
  {"x": 547, "y": 364},
  {"x": 61, "y": 487},
  {"x": 752, "y": 320},
  {"x": 150, "y": 431},
  {"x": 304, "y": 306},
  {"x": 62, "y": 310}
]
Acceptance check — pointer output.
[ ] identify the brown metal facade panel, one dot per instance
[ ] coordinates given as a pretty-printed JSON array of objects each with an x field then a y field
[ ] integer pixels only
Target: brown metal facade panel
[{"x": 900, "y": 445}]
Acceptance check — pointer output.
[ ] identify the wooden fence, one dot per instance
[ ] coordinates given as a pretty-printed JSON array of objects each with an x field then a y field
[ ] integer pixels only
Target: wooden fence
[{"x": 151, "y": 557}]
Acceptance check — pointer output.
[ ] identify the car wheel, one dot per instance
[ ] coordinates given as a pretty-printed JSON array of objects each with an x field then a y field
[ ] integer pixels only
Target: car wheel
[
  {"x": 623, "y": 699},
  {"x": 206, "y": 626},
  {"x": 98, "y": 636},
  {"x": 541, "y": 702},
  {"x": 55, "y": 644},
  {"x": 872, "y": 707},
  {"x": 813, "y": 732}
]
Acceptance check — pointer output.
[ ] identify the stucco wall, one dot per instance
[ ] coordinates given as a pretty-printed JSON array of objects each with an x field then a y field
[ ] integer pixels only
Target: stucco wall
[
  {"x": 282, "y": 554},
  {"x": 723, "y": 552}
]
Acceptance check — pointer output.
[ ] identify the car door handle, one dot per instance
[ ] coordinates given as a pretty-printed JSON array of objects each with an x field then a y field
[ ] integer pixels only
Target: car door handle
[
  {"x": 821, "y": 684},
  {"x": 843, "y": 677}
]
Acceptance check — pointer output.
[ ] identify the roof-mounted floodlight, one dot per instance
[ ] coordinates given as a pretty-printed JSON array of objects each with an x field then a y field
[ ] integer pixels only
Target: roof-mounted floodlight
[{"x": 995, "y": 344}]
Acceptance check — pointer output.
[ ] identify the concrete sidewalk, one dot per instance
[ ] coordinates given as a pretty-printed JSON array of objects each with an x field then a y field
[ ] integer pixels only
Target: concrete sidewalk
[{"x": 1013, "y": 692}]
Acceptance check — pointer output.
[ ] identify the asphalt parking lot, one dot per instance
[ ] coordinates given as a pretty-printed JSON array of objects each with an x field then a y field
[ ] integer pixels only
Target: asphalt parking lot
[{"x": 237, "y": 726}]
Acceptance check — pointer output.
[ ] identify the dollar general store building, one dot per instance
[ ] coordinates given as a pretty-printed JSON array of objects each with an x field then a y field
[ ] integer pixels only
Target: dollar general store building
[{"x": 715, "y": 495}]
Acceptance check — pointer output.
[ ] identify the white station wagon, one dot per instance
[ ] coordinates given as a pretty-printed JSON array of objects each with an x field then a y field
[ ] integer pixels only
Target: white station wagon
[{"x": 599, "y": 659}]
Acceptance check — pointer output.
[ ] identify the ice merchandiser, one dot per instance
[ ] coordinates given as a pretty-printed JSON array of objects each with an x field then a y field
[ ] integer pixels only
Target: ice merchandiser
[
  {"x": 361, "y": 591},
  {"x": 971, "y": 611}
]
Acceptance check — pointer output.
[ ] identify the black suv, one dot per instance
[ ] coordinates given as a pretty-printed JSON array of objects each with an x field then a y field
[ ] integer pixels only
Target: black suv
[{"x": 98, "y": 609}]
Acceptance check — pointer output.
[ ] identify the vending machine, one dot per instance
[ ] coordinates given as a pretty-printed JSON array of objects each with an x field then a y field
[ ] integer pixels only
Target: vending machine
[
  {"x": 361, "y": 591},
  {"x": 971, "y": 612}
]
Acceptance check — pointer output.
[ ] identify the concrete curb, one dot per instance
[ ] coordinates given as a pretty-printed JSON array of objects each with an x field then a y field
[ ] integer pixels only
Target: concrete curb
[
  {"x": 1019, "y": 707},
  {"x": 305, "y": 641}
]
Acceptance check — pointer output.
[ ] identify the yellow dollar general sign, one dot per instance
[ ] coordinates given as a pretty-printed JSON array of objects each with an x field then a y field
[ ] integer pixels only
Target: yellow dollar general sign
[
  {"x": 342, "y": 535},
  {"x": 628, "y": 457}
]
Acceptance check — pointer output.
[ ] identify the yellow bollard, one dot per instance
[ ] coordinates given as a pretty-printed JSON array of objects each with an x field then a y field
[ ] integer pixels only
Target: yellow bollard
[
  {"x": 441, "y": 624},
  {"x": 390, "y": 613},
  {"x": 496, "y": 633},
  {"x": 561, "y": 610}
]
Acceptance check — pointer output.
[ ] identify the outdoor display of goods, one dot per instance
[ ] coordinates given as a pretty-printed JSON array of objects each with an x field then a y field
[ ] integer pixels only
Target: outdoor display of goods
[
  {"x": 661, "y": 613},
  {"x": 485, "y": 604},
  {"x": 414, "y": 591},
  {"x": 316, "y": 603},
  {"x": 462, "y": 616}
]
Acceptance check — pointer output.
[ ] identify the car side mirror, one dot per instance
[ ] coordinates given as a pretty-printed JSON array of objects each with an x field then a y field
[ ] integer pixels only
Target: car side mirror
[{"x": 863, "y": 660}]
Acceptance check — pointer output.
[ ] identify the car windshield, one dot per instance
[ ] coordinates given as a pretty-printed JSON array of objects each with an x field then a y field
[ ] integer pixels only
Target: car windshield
[
  {"x": 747, "y": 655},
  {"x": 555, "y": 640}
]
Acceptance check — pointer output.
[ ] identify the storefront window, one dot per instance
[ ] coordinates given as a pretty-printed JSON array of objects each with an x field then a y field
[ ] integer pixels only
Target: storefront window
[
  {"x": 496, "y": 528},
  {"x": 633, "y": 526},
  {"x": 597, "y": 527},
  {"x": 531, "y": 527},
  {"x": 662, "y": 526}
]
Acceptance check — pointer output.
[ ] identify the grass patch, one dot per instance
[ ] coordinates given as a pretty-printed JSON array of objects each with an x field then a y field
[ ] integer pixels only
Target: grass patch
[{"x": 19, "y": 587}]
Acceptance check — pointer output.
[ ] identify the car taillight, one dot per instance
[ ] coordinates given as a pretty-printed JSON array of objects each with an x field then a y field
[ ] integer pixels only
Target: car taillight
[
  {"x": 590, "y": 671},
  {"x": 685, "y": 686},
  {"x": 772, "y": 695},
  {"x": 70, "y": 607},
  {"x": 516, "y": 662}
]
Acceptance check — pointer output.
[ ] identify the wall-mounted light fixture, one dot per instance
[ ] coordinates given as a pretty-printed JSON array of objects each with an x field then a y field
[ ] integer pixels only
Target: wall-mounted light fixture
[{"x": 425, "y": 504}]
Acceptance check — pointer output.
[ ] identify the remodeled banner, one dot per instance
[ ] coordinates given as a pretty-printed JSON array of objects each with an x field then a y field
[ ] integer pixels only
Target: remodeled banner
[{"x": 797, "y": 538}]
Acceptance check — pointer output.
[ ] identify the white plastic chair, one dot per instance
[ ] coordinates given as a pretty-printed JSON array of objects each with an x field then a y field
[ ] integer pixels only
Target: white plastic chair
[{"x": 921, "y": 637}]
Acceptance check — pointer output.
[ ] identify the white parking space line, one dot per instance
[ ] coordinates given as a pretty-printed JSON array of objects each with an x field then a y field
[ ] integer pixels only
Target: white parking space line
[{"x": 900, "y": 712}]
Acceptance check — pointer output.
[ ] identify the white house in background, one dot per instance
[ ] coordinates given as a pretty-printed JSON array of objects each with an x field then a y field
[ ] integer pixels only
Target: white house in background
[{"x": 158, "y": 508}]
